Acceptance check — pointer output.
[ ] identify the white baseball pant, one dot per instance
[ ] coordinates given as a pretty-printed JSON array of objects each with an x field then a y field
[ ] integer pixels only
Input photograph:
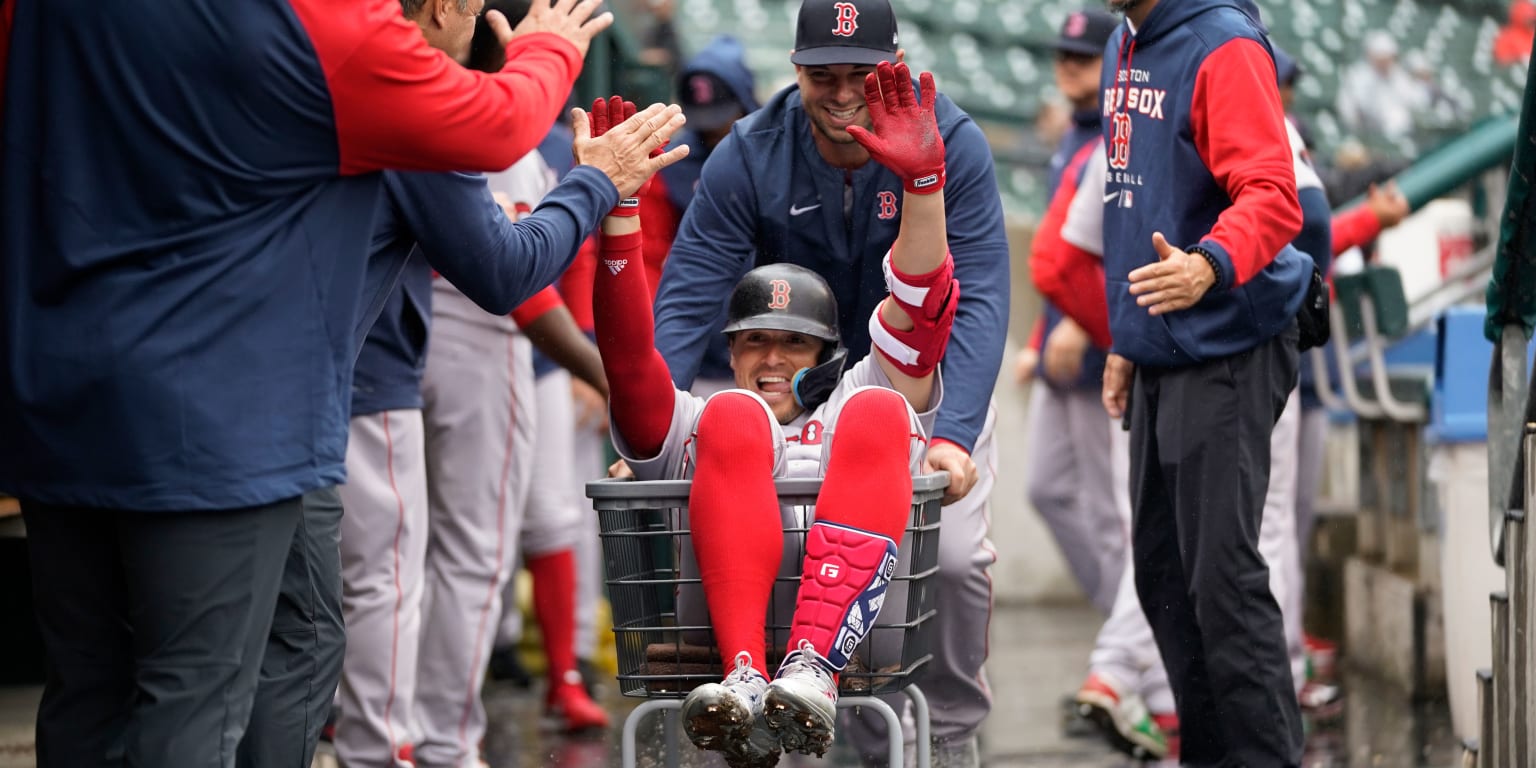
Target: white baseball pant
[
  {"x": 383, "y": 547},
  {"x": 1071, "y": 486},
  {"x": 478, "y": 439}
]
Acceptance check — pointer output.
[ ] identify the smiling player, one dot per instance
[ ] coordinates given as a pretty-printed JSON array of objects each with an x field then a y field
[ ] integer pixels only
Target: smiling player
[{"x": 794, "y": 413}]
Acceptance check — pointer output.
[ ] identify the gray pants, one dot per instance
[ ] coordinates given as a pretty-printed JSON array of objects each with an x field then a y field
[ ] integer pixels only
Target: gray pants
[
  {"x": 155, "y": 624},
  {"x": 1072, "y": 486}
]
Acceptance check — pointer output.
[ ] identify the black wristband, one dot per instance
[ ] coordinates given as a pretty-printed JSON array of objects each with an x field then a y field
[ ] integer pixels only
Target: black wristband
[{"x": 1210, "y": 258}]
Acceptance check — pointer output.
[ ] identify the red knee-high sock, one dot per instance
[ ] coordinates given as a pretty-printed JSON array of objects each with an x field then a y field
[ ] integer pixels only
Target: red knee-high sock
[
  {"x": 850, "y": 552},
  {"x": 734, "y": 518},
  {"x": 868, "y": 481},
  {"x": 554, "y": 604}
]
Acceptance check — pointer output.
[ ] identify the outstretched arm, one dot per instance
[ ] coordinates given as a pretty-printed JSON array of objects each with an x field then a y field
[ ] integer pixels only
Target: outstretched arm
[
  {"x": 640, "y": 388},
  {"x": 549, "y": 325},
  {"x": 499, "y": 260},
  {"x": 911, "y": 328}
]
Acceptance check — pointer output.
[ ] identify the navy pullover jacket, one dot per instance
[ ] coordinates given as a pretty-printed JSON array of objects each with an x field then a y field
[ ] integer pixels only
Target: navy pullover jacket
[
  {"x": 187, "y": 204},
  {"x": 1197, "y": 150},
  {"x": 450, "y": 222},
  {"x": 766, "y": 195}
]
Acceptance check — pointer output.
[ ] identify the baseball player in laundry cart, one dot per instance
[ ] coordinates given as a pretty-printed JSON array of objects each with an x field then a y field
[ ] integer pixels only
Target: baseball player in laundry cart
[{"x": 795, "y": 413}]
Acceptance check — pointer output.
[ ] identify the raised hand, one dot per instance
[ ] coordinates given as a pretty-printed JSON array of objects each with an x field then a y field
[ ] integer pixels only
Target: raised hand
[
  {"x": 569, "y": 19},
  {"x": 904, "y": 137},
  {"x": 622, "y": 142}
]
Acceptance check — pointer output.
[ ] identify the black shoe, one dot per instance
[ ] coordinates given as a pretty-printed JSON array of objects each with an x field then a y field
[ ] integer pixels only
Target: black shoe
[{"x": 506, "y": 667}]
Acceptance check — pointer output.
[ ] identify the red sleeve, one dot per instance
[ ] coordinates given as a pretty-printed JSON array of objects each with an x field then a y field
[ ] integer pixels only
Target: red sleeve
[
  {"x": 1066, "y": 275},
  {"x": 1354, "y": 227},
  {"x": 1239, "y": 131},
  {"x": 576, "y": 284},
  {"x": 536, "y": 306},
  {"x": 658, "y": 221},
  {"x": 640, "y": 391},
  {"x": 1037, "y": 334},
  {"x": 401, "y": 104}
]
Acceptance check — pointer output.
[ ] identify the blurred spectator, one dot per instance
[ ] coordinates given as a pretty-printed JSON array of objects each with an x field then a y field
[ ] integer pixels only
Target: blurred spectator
[
  {"x": 1354, "y": 169},
  {"x": 660, "y": 41},
  {"x": 1513, "y": 44},
  {"x": 1377, "y": 98},
  {"x": 1438, "y": 107}
]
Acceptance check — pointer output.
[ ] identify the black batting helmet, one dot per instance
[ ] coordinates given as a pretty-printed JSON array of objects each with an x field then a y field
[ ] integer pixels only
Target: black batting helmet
[{"x": 784, "y": 297}]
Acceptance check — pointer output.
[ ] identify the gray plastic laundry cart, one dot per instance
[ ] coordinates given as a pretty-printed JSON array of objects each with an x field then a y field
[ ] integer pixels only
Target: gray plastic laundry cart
[{"x": 661, "y": 627}]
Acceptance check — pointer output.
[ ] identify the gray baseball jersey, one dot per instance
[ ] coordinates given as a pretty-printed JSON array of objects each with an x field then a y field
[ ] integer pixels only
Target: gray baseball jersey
[{"x": 800, "y": 451}]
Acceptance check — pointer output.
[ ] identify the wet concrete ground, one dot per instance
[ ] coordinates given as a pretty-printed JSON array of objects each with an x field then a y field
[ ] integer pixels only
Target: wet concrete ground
[{"x": 1038, "y": 656}]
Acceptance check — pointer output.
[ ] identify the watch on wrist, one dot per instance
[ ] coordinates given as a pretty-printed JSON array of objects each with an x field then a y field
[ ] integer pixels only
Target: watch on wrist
[{"x": 1210, "y": 258}]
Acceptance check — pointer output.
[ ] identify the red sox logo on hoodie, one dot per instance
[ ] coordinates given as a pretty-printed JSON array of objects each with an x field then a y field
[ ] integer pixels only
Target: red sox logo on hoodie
[{"x": 1124, "y": 99}]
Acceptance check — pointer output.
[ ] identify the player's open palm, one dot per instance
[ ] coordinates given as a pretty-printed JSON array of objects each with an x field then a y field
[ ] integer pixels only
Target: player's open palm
[
  {"x": 904, "y": 135},
  {"x": 624, "y": 143}
]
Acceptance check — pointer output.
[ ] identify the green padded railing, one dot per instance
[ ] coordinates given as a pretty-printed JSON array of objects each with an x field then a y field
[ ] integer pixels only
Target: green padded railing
[{"x": 1511, "y": 317}]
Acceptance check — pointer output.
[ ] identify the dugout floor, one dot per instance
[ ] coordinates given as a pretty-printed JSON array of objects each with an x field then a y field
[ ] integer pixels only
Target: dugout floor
[{"x": 1038, "y": 653}]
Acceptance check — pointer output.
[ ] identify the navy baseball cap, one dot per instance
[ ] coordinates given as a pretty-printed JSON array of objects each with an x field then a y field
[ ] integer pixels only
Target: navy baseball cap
[
  {"x": 708, "y": 101},
  {"x": 845, "y": 32},
  {"x": 1086, "y": 32}
]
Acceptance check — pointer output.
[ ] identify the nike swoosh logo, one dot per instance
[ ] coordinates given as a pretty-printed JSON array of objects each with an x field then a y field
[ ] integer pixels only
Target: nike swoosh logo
[
  {"x": 1111, "y": 196},
  {"x": 795, "y": 210}
]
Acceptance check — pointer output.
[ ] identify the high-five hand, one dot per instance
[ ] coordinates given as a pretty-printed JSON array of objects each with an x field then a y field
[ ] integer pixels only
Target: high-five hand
[
  {"x": 569, "y": 19},
  {"x": 620, "y": 142},
  {"x": 905, "y": 137}
]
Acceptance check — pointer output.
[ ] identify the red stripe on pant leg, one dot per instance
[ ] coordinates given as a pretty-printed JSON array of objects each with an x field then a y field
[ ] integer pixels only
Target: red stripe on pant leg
[
  {"x": 394, "y": 639},
  {"x": 868, "y": 483},
  {"x": 476, "y": 665},
  {"x": 734, "y": 519}
]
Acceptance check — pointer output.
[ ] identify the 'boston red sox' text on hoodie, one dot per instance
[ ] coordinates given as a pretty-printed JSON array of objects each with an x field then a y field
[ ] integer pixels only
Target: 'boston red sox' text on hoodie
[{"x": 1197, "y": 150}]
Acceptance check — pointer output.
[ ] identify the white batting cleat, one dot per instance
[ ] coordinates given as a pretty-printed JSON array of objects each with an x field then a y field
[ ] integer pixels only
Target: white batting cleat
[
  {"x": 723, "y": 717},
  {"x": 801, "y": 703}
]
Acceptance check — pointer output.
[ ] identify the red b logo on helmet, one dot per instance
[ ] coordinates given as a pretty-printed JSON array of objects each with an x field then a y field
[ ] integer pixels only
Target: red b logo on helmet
[
  {"x": 780, "y": 297},
  {"x": 847, "y": 19}
]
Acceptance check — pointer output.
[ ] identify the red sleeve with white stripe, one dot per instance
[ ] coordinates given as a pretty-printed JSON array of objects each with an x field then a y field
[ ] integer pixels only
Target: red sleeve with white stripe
[
  {"x": 401, "y": 104},
  {"x": 1239, "y": 131},
  {"x": 640, "y": 391}
]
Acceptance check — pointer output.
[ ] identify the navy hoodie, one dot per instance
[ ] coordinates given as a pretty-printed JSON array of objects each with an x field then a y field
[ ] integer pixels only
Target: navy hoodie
[
  {"x": 187, "y": 198},
  {"x": 724, "y": 58},
  {"x": 767, "y": 196},
  {"x": 1197, "y": 150}
]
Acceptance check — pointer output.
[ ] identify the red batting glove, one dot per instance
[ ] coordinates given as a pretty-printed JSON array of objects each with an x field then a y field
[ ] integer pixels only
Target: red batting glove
[
  {"x": 905, "y": 137},
  {"x": 606, "y": 114}
]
